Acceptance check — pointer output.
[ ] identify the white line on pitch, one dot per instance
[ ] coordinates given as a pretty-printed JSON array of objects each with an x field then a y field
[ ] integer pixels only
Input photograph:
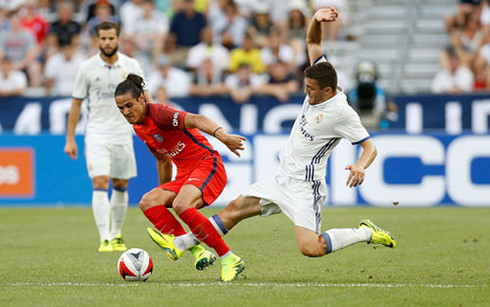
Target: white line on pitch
[{"x": 238, "y": 284}]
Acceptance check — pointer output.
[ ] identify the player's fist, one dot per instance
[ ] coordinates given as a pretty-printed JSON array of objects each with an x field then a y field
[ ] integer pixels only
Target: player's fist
[
  {"x": 71, "y": 149},
  {"x": 328, "y": 14}
]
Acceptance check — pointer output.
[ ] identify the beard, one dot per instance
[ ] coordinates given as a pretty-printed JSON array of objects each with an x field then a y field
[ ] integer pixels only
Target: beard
[{"x": 109, "y": 54}]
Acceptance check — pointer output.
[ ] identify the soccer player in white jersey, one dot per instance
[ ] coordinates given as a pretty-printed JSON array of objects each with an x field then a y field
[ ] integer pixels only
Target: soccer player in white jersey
[
  {"x": 108, "y": 136},
  {"x": 299, "y": 189}
]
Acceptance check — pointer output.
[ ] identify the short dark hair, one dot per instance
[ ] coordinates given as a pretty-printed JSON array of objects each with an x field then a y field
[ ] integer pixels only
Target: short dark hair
[
  {"x": 133, "y": 84},
  {"x": 324, "y": 73},
  {"x": 107, "y": 25}
]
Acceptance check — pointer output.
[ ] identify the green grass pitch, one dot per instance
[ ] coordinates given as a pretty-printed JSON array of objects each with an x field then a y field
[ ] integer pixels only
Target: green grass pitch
[{"x": 48, "y": 258}]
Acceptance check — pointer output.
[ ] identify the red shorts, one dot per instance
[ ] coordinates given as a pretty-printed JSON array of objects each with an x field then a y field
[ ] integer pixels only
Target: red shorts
[{"x": 208, "y": 175}]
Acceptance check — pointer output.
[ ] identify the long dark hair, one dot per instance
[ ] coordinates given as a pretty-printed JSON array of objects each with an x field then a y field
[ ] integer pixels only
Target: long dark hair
[{"x": 133, "y": 84}]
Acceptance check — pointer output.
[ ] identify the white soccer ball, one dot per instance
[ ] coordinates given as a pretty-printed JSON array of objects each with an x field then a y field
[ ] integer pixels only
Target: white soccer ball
[{"x": 135, "y": 265}]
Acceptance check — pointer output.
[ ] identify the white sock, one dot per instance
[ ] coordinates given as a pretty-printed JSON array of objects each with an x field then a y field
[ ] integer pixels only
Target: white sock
[
  {"x": 101, "y": 209},
  {"x": 186, "y": 241},
  {"x": 119, "y": 207},
  {"x": 339, "y": 238}
]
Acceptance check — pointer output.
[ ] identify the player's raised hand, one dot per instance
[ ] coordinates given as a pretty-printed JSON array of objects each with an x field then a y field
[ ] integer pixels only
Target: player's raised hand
[
  {"x": 71, "y": 149},
  {"x": 328, "y": 14},
  {"x": 356, "y": 176}
]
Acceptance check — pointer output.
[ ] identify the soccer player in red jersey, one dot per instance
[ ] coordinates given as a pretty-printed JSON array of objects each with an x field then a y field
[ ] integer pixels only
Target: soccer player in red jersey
[{"x": 174, "y": 136}]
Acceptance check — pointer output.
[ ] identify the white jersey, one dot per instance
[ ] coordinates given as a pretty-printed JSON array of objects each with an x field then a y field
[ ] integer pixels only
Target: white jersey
[
  {"x": 316, "y": 132},
  {"x": 98, "y": 81}
]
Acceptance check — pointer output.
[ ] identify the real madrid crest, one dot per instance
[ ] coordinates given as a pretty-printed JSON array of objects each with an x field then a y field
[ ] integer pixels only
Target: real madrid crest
[
  {"x": 319, "y": 118},
  {"x": 158, "y": 138}
]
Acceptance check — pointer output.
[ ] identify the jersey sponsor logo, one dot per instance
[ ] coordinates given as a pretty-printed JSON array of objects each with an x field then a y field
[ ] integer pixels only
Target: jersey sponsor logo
[
  {"x": 17, "y": 172},
  {"x": 305, "y": 133},
  {"x": 175, "y": 119},
  {"x": 177, "y": 149},
  {"x": 158, "y": 137}
]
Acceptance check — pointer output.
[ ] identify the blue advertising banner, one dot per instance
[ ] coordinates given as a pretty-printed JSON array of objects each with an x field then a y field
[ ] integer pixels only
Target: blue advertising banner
[
  {"x": 415, "y": 170},
  {"x": 454, "y": 114}
]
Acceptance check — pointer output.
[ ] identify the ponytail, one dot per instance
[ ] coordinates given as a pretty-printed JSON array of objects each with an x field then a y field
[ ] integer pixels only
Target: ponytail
[{"x": 133, "y": 84}]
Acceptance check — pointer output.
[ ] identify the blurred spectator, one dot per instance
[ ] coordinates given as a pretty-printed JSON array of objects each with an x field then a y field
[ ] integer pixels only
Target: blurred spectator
[
  {"x": 231, "y": 29},
  {"x": 129, "y": 12},
  {"x": 296, "y": 28},
  {"x": 206, "y": 49},
  {"x": 261, "y": 25},
  {"x": 243, "y": 83},
  {"x": 465, "y": 8},
  {"x": 12, "y": 82},
  {"x": 149, "y": 32},
  {"x": 161, "y": 96},
  {"x": 64, "y": 30},
  {"x": 59, "y": 82},
  {"x": 247, "y": 54},
  {"x": 103, "y": 12},
  {"x": 281, "y": 82},
  {"x": 367, "y": 97},
  {"x": 184, "y": 31},
  {"x": 208, "y": 81},
  {"x": 34, "y": 22},
  {"x": 485, "y": 13},
  {"x": 19, "y": 46},
  {"x": 92, "y": 8},
  {"x": 277, "y": 51},
  {"x": 3, "y": 17},
  {"x": 176, "y": 81},
  {"x": 458, "y": 78}
]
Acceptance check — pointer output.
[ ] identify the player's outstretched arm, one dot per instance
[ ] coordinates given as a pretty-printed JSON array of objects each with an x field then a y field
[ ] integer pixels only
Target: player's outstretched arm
[
  {"x": 357, "y": 173},
  {"x": 71, "y": 146},
  {"x": 314, "y": 34},
  {"x": 234, "y": 142}
]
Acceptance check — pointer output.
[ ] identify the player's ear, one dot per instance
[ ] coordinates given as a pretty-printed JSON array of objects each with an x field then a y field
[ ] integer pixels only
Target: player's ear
[{"x": 142, "y": 97}]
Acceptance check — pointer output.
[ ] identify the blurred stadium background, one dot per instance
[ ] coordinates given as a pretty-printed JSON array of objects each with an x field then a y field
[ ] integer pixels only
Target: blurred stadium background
[{"x": 415, "y": 70}]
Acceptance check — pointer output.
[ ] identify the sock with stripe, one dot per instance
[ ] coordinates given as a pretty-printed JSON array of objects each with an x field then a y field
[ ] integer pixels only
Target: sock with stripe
[
  {"x": 164, "y": 220},
  {"x": 119, "y": 207},
  {"x": 204, "y": 230},
  {"x": 101, "y": 209},
  {"x": 339, "y": 238},
  {"x": 189, "y": 240}
]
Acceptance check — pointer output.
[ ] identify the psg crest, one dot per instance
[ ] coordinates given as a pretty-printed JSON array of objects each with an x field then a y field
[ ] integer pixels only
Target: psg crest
[{"x": 158, "y": 137}]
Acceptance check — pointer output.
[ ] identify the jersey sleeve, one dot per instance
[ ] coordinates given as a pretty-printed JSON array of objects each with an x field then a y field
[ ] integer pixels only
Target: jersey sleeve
[
  {"x": 349, "y": 126},
  {"x": 80, "y": 88},
  {"x": 167, "y": 118}
]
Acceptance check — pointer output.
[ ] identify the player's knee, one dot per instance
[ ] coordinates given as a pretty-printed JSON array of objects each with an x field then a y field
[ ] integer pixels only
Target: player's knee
[
  {"x": 147, "y": 201},
  {"x": 100, "y": 182},
  {"x": 179, "y": 206},
  {"x": 310, "y": 250}
]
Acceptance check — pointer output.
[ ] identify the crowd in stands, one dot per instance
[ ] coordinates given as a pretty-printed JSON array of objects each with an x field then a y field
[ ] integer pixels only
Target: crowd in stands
[
  {"x": 185, "y": 47},
  {"x": 206, "y": 47},
  {"x": 466, "y": 59}
]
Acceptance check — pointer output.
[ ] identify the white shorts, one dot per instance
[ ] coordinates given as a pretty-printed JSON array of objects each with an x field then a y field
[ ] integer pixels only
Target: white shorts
[
  {"x": 115, "y": 161},
  {"x": 300, "y": 200}
]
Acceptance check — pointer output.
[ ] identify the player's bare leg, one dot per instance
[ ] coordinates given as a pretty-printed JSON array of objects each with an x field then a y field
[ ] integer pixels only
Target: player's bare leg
[{"x": 239, "y": 209}]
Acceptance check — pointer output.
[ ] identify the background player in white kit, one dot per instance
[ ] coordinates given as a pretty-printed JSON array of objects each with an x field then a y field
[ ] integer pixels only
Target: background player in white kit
[
  {"x": 299, "y": 190},
  {"x": 108, "y": 136}
]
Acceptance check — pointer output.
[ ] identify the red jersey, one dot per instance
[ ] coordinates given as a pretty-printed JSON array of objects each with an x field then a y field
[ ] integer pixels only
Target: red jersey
[{"x": 163, "y": 131}]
